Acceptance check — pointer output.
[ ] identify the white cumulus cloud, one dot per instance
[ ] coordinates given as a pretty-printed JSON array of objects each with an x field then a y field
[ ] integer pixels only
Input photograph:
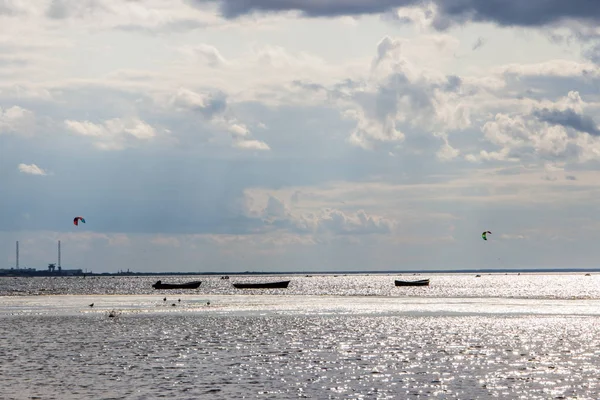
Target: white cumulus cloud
[
  {"x": 31, "y": 169},
  {"x": 113, "y": 134}
]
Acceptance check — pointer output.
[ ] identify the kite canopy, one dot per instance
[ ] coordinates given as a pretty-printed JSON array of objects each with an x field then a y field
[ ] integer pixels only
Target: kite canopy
[
  {"x": 484, "y": 235},
  {"x": 77, "y": 219}
]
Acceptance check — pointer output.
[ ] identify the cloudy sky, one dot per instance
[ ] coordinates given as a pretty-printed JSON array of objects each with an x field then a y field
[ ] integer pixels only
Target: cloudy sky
[{"x": 313, "y": 135}]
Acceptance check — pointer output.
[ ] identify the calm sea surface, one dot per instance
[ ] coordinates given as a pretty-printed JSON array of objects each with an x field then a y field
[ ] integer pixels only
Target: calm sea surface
[{"x": 528, "y": 336}]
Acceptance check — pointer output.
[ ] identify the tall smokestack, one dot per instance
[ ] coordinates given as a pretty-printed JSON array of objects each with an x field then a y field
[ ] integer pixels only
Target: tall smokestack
[
  {"x": 17, "y": 266},
  {"x": 59, "y": 254}
]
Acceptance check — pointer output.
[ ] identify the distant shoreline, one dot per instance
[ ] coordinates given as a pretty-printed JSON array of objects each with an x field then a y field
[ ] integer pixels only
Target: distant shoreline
[{"x": 44, "y": 273}]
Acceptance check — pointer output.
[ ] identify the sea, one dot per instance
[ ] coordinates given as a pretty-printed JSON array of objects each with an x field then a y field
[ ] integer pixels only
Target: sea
[{"x": 347, "y": 336}]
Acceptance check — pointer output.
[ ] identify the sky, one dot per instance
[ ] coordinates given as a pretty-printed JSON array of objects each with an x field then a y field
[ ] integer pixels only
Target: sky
[{"x": 287, "y": 135}]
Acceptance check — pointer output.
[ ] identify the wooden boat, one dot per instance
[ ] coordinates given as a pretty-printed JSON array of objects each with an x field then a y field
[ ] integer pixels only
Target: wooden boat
[
  {"x": 421, "y": 282},
  {"x": 188, "y": 285},
  {"x": 268, "y": 285}
]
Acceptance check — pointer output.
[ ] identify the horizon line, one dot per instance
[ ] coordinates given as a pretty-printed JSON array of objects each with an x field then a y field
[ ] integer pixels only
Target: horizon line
[{"x": 329, "y": 272}]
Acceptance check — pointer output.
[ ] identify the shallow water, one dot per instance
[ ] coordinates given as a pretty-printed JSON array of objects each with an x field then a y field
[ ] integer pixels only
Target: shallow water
[
  {"x": 187, "y": 356},
  {"x": 508, "y": 342},
  {"x": 548, "y": 286}
]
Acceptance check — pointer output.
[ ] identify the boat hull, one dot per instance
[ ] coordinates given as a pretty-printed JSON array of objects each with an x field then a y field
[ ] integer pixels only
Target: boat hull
[
  {"x": 189, "y": 285},
  {"x": 422, "y": 282},
  {"x": 268, "y": 285}
]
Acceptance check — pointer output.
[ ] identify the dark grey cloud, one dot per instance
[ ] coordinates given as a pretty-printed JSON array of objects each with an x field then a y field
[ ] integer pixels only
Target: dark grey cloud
[
  {"x": 569, "y": 119},
  {"x": 310, "y": 8},
  {"x": 519, "y": 12},
  {"x": 502, "y": 12}
]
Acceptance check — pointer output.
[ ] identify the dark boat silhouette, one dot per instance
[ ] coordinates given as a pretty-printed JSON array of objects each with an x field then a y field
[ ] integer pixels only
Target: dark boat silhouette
[
  {"x": 421, "y": 282},
  {"x": 188, "y": 285},
  {"x": 267, "y": 285}
]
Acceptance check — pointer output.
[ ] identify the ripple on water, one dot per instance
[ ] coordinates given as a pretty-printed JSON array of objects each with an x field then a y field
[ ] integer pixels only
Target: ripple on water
[{"x": 384, "y": 357}]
